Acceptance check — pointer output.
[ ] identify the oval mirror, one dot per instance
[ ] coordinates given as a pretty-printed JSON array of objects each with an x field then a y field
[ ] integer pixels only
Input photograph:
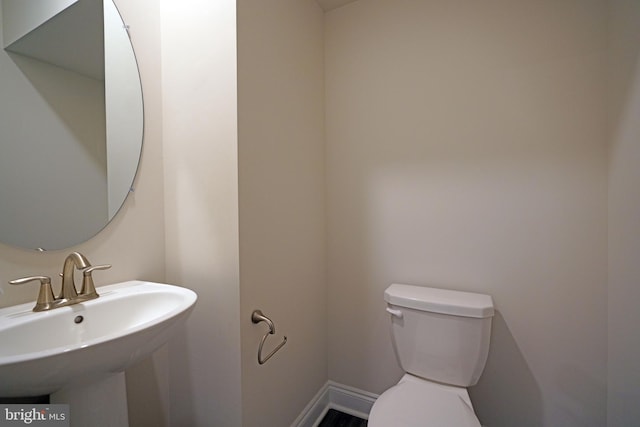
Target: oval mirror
[{"x": 71, "y": 120}]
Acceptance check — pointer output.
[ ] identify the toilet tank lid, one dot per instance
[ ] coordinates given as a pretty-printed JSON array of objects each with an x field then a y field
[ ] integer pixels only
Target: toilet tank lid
[{"x": 443, "y": 301}]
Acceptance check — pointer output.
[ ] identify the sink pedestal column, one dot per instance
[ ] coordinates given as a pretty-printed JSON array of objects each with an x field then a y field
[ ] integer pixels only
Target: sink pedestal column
[{"x": 98, "y": 403}]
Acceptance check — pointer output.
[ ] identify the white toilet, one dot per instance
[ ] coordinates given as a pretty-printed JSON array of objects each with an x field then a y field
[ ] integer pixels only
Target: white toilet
[{"x": 441, "y": 338}]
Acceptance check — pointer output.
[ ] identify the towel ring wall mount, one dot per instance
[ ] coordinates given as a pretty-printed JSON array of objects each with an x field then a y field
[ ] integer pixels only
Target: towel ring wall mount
[{"x": 256, "y": 317}]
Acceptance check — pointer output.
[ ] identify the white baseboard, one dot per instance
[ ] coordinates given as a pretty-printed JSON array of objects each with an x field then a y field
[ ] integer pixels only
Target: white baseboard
[{"x": 332, "y": 395}]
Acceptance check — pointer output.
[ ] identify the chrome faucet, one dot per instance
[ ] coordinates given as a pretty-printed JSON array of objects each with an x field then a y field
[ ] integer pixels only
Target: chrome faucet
[{"x": 68, "y": 292}]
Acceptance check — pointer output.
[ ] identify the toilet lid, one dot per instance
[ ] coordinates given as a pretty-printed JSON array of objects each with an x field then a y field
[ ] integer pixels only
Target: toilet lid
[{"x": 412, "y": 404}]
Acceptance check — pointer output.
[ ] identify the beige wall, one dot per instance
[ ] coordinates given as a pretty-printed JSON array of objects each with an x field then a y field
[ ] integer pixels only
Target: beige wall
[
  {"x": 466, "y": 150},
  {"x": 624, "y": 213},
  {"x": 201, "y": 207},
  {"x": 281, "y": 178}
]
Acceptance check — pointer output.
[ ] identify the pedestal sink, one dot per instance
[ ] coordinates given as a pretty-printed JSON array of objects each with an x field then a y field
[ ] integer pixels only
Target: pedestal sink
[{"x": 82, "y": 350}]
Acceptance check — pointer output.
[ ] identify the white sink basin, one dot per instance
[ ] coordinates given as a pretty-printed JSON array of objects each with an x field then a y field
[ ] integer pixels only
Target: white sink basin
[{"x": 41, "y": 353}]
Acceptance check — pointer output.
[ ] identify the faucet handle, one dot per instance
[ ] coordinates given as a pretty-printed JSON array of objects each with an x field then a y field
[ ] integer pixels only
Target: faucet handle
[
  {"x": 46, "y": 299},
  {"x": 88, "y": 290}
]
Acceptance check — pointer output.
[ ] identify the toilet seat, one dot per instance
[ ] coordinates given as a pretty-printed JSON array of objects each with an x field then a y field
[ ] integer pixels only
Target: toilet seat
[{"x": 415, "y": 402}]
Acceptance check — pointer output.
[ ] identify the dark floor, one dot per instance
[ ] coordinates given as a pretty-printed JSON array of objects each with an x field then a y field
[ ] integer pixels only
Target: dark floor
[{"x": 339, "y": 419}]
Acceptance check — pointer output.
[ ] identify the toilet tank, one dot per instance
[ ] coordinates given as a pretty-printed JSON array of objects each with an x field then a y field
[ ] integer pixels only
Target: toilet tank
[{"x": 440, "y": 335}]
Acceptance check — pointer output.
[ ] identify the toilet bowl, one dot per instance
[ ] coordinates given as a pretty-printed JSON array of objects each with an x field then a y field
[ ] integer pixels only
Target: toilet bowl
[
  {"x": 416, "y": 402},
  {"x": 441, "y": 338}
]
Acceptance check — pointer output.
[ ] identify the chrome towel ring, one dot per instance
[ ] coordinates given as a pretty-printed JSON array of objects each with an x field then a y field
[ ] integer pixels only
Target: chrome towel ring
[{"x": 256, "y": 317}]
